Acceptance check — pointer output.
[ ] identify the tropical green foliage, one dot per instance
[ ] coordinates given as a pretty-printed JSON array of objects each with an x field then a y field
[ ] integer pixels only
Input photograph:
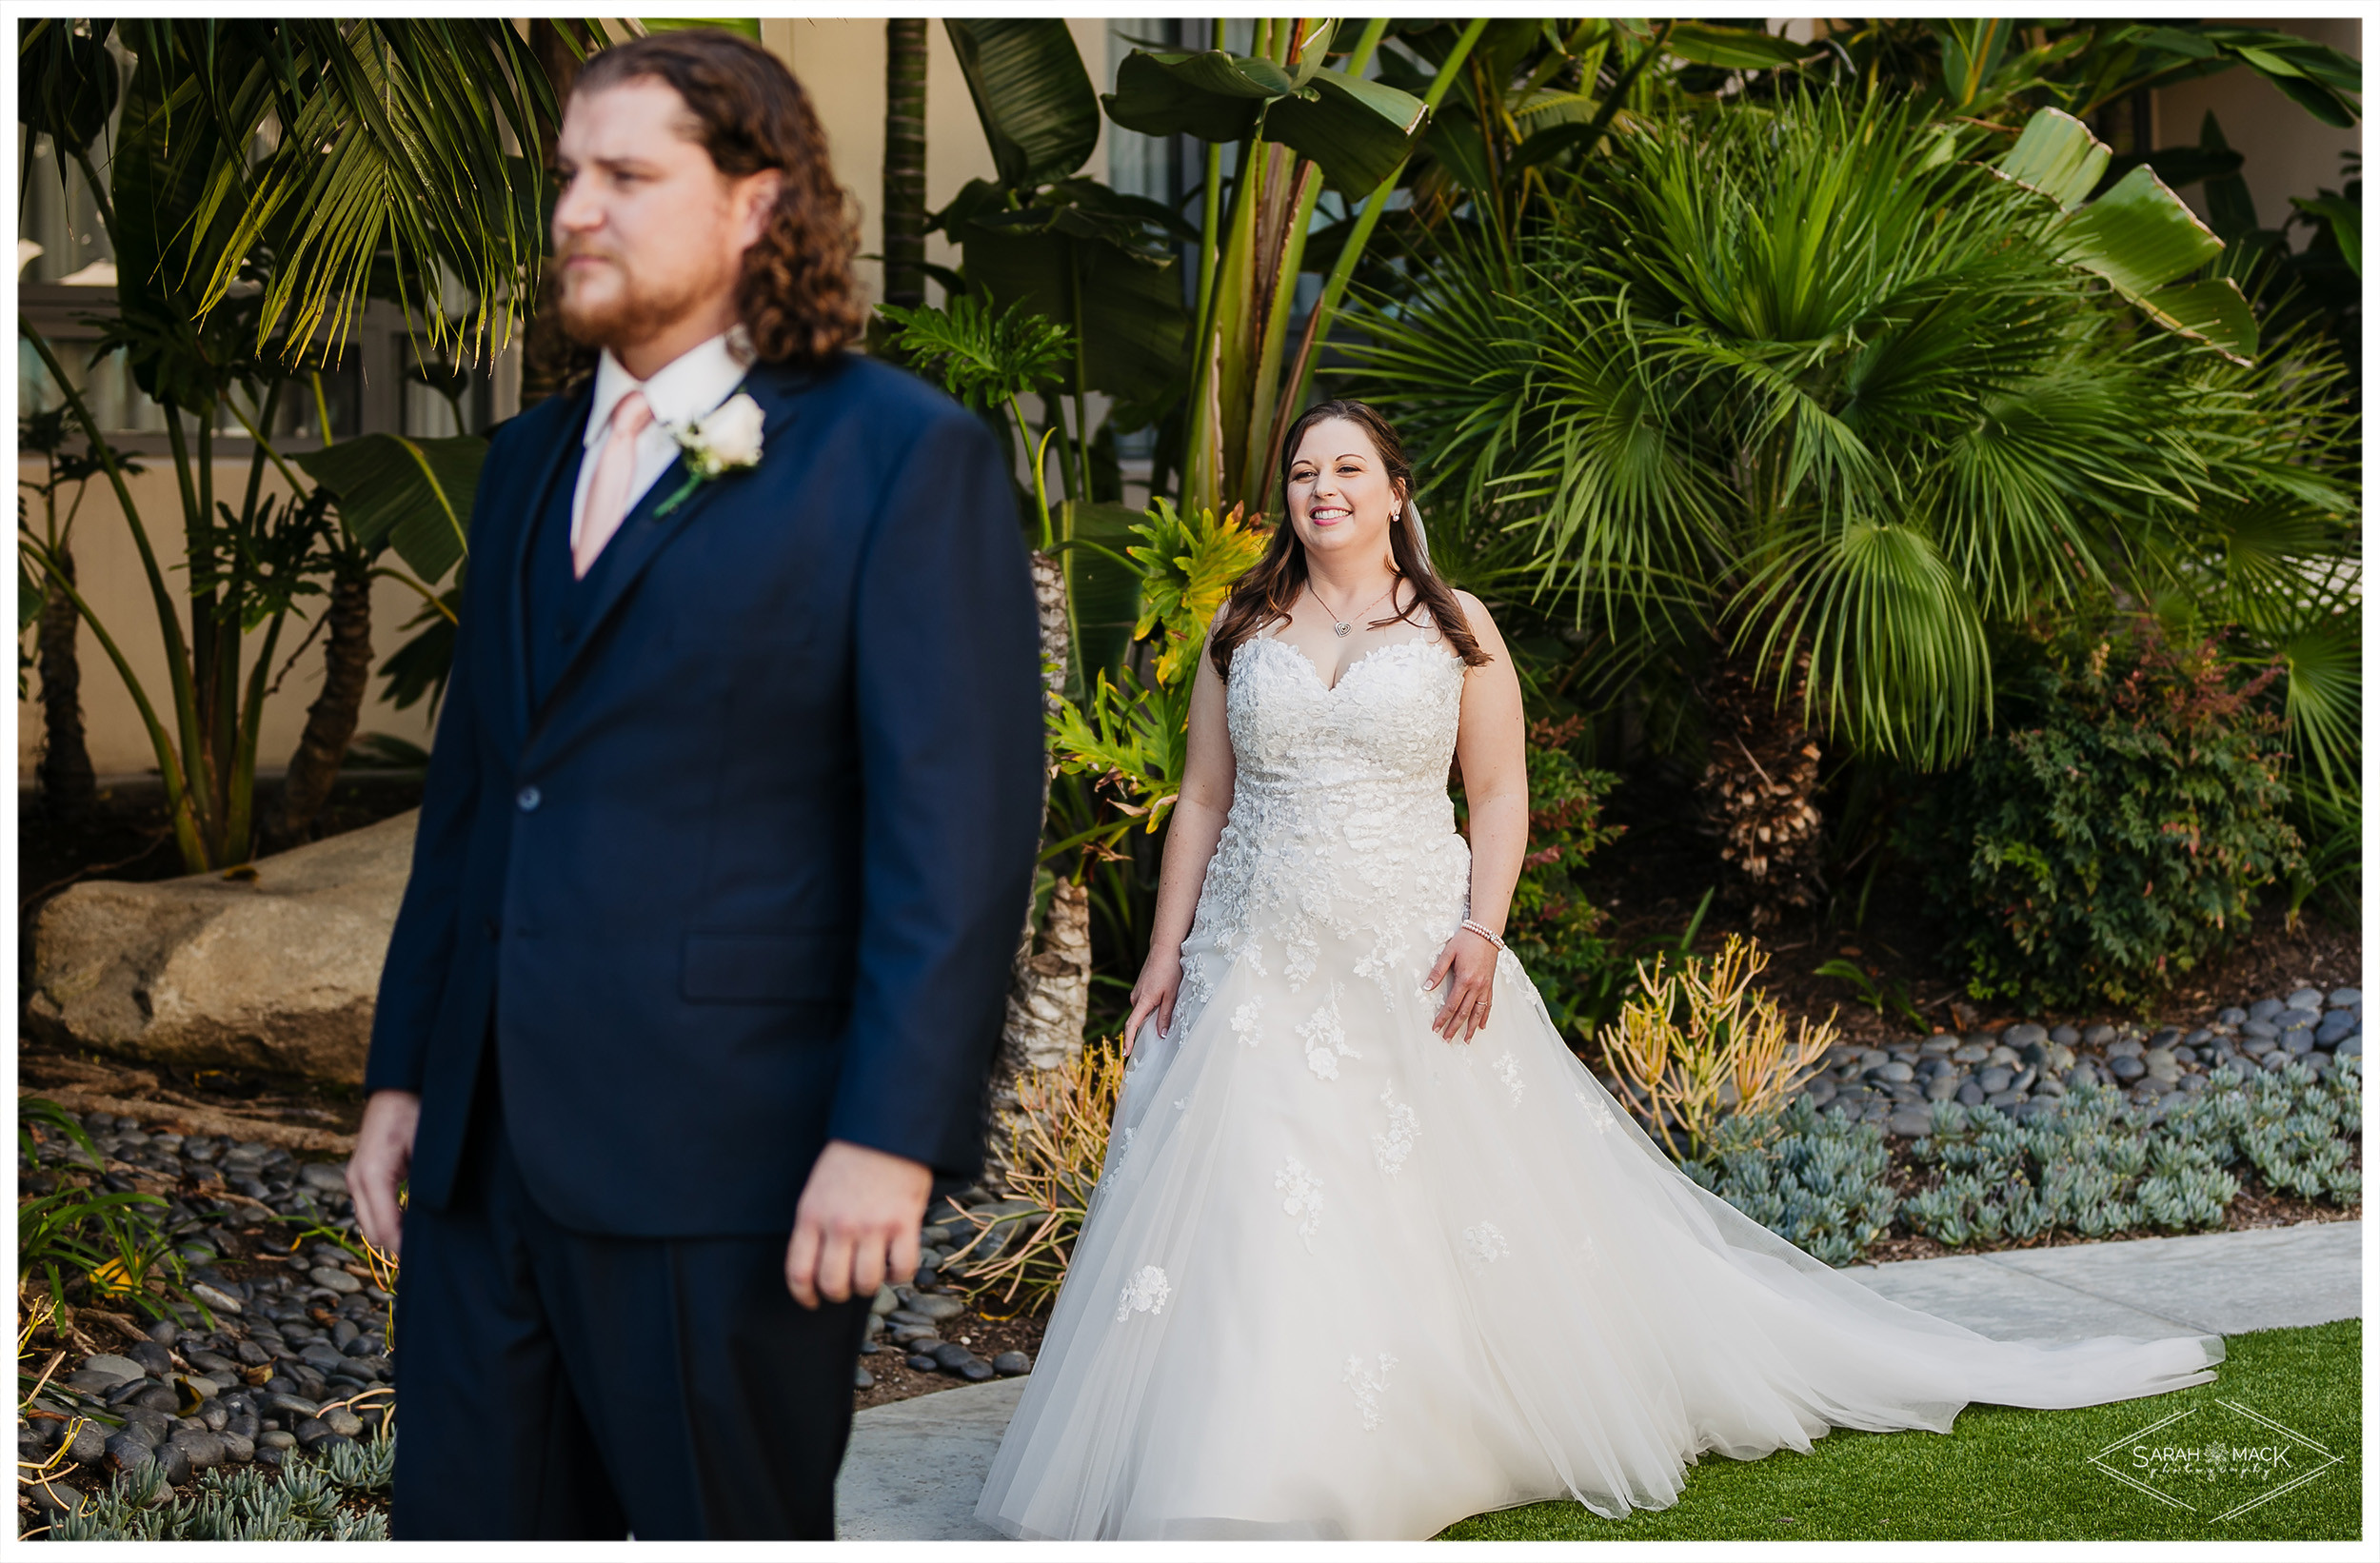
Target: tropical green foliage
[
  {"x": 1045, "y": 240},
  {"x": 1836, "y": 390},
  {"x": 385, "y": 173},
  {"x": 1133, "y": 733},
  {"x": 1298, "y": 128},
  {"x": 1988, "y": 68},
  {"x": 2111, "y": 843},
  {"x": 1816, "y": 382}
]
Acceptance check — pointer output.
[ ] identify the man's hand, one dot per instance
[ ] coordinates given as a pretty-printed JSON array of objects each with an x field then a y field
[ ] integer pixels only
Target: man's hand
[
  {"x": 859, "y": 1207},
  {"x": 384, "y": 1148}
]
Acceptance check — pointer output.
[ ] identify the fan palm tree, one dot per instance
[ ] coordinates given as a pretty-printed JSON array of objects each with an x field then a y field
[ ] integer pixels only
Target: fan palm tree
[{"x": 1809, "y": 393}]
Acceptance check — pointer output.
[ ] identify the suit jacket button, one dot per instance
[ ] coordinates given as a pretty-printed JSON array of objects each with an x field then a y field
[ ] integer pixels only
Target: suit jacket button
[{"x": 528, "y": 800}]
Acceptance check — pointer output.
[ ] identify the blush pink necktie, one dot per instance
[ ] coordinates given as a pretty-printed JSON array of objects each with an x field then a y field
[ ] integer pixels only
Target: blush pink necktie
[{"x": 608, "y": 491}]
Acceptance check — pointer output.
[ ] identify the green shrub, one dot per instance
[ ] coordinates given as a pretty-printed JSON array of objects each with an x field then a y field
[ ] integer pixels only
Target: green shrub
[
  {"x": 1815, "y": 1179},
  {"x": 2112, "y": 844},
  {"x": 1554, "y": 925}
]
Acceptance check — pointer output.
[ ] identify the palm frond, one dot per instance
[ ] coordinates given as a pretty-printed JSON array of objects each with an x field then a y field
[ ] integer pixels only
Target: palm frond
[{"x": 410, "y": 162}]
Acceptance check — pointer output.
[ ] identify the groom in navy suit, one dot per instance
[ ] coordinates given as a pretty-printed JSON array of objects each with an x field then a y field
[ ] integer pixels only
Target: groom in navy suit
[{"x": 725, "y": 843}]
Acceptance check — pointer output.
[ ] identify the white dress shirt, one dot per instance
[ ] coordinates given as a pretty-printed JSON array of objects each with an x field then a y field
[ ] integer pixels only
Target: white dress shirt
[{"x": 690, "y": 386}]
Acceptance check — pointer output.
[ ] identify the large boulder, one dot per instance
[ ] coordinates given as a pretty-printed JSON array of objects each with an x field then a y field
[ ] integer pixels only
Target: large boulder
[{"x": 275, "y": 969}]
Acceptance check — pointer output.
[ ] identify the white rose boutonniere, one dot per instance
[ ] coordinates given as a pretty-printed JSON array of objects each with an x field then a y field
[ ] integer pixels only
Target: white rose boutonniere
[{"x": 727, "y": 440}]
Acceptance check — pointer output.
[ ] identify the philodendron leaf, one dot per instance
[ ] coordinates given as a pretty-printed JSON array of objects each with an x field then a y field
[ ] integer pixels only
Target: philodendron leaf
[
  {"x": 2212, "y": 311},
  {"x": 1031, "y": 93},
  {"x": 1128, "y": 306},
  {"x": 2058, "y": 156},
  {"x": 2346, "y": 225},
  {"x": 1211, "y": 95},
  {"x": 413, "y": 495},
  {"x": 1102, "y": 586},
  {"x": 2139, "y": 236},
  {"x": 1732, "y": 49},
  {"x": 1358, "y": 130}
]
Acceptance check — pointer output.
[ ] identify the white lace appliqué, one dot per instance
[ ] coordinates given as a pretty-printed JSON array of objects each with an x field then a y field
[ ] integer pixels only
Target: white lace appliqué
[
  {"x": 1508, "y": 1070},
  {"x": 1245, "y": 1019},
  {"x": 1368, "y": 1386},
  {"x": 1598, "y": 1113},
  {"x": 1485, "y": 1243},
  {"x": 1301, "y": 1197},
  {"x": 1326, "y": 1038},
  {"x": 1393, "y": 1144},
  {"x": 1144, "y": 1293},
  {"x": 1339, "y": 825}
]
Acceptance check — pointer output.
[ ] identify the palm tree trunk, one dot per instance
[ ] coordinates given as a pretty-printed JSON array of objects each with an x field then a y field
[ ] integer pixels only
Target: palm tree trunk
[
  {"x": 904, "y": 161},
  {"x": 1049, "y": 988},
  {"x": 330, "y": 721},
  {"x": 1757, "y": 792},
  {"x": 68, "y": 788}
]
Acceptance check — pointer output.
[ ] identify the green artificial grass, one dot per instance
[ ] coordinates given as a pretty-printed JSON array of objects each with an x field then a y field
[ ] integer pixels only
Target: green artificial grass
[{"x": 2006, "y": 1474}]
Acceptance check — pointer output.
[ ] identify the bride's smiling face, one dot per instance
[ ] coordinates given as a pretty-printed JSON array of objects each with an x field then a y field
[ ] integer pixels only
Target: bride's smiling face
[{"x": 1339, "y": 494}]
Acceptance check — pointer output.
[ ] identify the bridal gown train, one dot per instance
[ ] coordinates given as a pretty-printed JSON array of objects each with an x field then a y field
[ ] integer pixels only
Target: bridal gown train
[{"x": 1343, "y": 1277}]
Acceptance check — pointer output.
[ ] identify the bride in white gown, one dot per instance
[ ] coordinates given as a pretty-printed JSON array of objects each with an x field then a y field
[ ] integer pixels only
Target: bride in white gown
[{"x": 1372, "y": 1252}]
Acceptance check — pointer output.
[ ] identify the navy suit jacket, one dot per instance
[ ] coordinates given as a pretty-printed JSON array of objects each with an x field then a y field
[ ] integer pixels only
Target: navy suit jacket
[{"x": 751, "y": 876}]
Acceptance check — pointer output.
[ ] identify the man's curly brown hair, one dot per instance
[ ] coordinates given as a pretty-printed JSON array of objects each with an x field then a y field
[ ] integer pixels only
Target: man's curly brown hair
[{"x": 797, "y": 298}]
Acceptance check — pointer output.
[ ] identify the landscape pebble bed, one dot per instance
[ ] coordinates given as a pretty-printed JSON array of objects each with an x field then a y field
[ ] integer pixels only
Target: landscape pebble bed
[
  {"x": 2024, "y": 1069},
  {"x": 298, "y": 1355}
]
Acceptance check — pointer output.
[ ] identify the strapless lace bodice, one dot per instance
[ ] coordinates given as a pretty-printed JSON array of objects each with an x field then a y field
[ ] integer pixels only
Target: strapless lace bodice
[{"x": 1341, "y": 826}]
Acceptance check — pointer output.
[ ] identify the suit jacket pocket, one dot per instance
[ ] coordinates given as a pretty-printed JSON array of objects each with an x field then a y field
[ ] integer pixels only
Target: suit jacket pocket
[{"x": 806, "y": 966}]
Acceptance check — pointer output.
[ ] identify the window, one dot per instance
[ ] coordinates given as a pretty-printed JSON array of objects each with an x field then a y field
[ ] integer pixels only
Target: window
[{"x": 374, "y": 386}]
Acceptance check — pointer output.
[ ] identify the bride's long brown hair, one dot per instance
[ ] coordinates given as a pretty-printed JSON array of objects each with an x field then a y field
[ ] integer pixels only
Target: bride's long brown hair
[{"x": 1271, "y": 586}]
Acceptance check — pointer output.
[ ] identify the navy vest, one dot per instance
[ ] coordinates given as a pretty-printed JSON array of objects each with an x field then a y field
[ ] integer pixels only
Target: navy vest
[{"x": 553, "y": 602}]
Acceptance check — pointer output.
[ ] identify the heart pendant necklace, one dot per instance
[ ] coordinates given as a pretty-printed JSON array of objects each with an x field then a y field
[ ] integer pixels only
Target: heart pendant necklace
[{"x": 1343, "y": 628}]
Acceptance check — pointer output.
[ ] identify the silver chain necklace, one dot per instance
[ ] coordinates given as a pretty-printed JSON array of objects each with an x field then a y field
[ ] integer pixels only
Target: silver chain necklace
[{"x": 1339, "y": 628}]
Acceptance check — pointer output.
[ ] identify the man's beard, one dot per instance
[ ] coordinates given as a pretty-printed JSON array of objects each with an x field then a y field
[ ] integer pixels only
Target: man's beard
[{"x": 625, "y": 317}]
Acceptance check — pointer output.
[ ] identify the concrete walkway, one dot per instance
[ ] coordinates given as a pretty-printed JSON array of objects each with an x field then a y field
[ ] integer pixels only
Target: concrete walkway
[{"x": 916, "y": 1466}]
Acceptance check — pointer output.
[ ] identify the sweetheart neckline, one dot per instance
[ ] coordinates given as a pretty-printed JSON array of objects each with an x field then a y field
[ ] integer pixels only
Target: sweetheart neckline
[{"x": 1316, "y": 671}]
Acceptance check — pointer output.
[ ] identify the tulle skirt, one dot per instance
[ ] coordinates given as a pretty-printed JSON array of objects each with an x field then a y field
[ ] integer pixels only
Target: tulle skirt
[{"x": 1343, "y": 1279}]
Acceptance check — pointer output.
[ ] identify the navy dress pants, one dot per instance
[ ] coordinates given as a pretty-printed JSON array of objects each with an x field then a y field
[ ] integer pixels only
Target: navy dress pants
[{"x": 558, "y": 1385}]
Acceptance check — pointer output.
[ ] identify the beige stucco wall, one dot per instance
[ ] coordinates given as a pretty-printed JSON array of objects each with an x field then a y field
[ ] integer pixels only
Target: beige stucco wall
[{"x": 841, "y": 63}]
